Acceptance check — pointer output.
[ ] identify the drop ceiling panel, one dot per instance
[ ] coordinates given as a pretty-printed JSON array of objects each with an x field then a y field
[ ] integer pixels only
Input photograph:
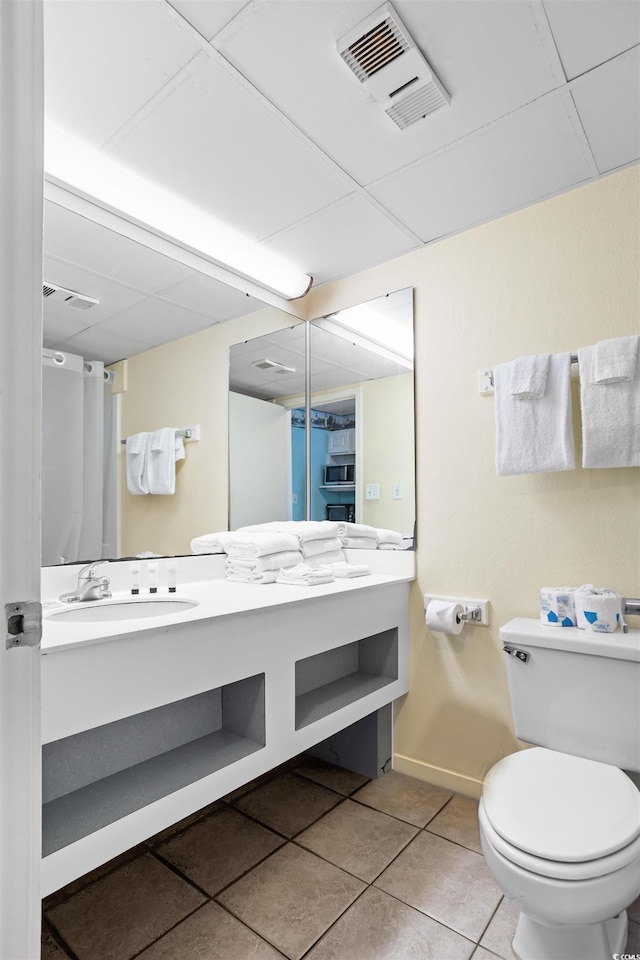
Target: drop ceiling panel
[
  {"x": 113, "y": 297},
  {"x": 587, "y": 34},
  {"x": 608, "y": 101},
  {"x": 491, "y": 57},
  {"x": 156, "y": 321},
  {"x": 211, "y": 142},
  {"x": 342, "y": 239},
  {"x": 529, "y": 156},
  {"x": 71, "y": 237},
  {"x": 57, "y": 329},
  {"x": 211, "y": 297},
  {"x": 105, "y": 59},
  {"x": 98, "y": 344},
  {"x": 208, "y": 18}
]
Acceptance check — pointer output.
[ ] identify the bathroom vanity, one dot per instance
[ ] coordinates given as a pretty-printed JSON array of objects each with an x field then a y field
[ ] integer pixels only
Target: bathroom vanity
[{"x": 147, "y": 720}]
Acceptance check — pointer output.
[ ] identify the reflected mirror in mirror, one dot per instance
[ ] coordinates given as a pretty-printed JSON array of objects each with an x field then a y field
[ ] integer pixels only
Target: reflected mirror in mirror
[{"x": 361, "y": 416}]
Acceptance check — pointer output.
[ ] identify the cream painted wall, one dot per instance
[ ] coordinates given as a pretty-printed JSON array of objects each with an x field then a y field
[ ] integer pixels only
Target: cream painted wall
[
  {"x": 178, "y": 384},
  {"x": 553, "y": 277}
]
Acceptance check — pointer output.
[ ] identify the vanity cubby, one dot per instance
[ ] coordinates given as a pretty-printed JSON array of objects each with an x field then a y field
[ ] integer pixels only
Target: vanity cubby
[{"x": 145, "y": 727}]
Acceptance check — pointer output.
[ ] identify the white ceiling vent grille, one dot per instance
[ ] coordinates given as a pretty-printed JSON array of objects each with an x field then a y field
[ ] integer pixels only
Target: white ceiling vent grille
[
  {"x": 72, "y": 299},
  {"x": 273, "y": 366},
  {"x": 385, "y": 59}
]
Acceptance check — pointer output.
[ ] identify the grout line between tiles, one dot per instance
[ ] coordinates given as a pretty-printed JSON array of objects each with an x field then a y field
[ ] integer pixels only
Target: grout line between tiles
[
  {"x": 178, "y": 873},
  {"x": 59, "y": 939},
  {"x": 173, "y": 927}
]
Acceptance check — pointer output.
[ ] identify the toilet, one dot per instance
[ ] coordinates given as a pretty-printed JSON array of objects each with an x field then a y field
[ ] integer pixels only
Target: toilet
[{"x": 560, "y": 823}]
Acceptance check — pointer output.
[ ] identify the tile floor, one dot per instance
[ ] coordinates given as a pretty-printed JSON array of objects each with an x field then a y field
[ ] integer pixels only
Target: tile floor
[{"x": 311, "y": 861}]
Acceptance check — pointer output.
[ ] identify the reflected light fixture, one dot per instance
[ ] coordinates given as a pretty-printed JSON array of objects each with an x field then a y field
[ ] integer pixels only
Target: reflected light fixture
[{"x": 76, "y": 166}]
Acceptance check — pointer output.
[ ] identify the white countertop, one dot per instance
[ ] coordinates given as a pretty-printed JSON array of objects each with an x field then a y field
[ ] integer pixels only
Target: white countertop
[{"x": 216, "y": 598}]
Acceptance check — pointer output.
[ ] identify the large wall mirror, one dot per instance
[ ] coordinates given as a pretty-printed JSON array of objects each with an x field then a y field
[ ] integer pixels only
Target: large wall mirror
[{"x": 338, "y": 443}]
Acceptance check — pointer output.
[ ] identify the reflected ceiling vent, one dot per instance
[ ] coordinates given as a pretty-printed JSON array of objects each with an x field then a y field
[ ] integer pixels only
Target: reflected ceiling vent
[
  {"x": 273, "y": 366},
  {"x": 387, "y": 62},
  {"x": 72, "y": 299}
]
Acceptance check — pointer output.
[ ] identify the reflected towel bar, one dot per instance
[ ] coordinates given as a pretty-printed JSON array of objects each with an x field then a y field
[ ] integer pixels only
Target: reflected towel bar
[{"x": 189, "y": 433}]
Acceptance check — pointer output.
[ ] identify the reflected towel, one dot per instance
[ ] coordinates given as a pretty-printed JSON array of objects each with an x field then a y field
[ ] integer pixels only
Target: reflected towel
[
  {"x": 303, "y": 529},
  {"x": 356, "y": 530},
  {"x": 360, "y": 543},
  {"x": 163, "y": 449},
  {"x": 136, "y": 462},
  {"x": 388, "y": 536},
  {"x": 610, "y": 417},
  {"x": 211, "y": 542}
]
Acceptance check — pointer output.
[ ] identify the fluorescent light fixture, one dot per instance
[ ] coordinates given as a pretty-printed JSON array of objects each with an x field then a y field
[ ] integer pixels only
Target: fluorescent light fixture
[{"x": 83, "y": 170}]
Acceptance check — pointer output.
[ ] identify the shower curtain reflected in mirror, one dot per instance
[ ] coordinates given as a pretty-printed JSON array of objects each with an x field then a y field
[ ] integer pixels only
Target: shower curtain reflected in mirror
[{"x": 73, "y": 461}]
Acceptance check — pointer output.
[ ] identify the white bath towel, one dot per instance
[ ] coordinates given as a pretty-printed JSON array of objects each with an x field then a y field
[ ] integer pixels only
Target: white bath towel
[
  {"x": 164, "y": 448},
  {"x": 346, "y": 570},
  {"x": 529, "y": 376},
  {"x": 535, "y": 436},
  {"x": 136, "y": 462},
  {"x": 616, "y": 359},
  {"x": 312, "y": 548},
  {"x": 303, "y": 529},
  {"x": 212, "y": 542},
  {"x": 359, "y": 543},
  {"x": 273, "y": 561},
  {"x": 306, "y": 576},
  {"x": 260, "y": 543},
  {"x": 356, "y": 529},
  {"x": 610, "y": 417},
  {"x": 326, "y": 559},
  {"x": 388, "y": 536},
  {"x": 259, "y": 576}
]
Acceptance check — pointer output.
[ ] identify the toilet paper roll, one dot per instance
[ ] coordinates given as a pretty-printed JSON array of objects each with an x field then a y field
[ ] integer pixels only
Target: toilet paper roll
[
  {"x": 597, "y": 609},
  {"x": 557, "y": 607},
  {"x": 444, "y": 617}
]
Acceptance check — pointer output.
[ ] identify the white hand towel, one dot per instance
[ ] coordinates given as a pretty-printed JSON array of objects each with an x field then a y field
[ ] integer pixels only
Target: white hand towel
[
  {"x": 311, "y": 548},
  {"x": 388, "y": 536},
  {"x": 356, "y": 529},
  {"x": 260, "y": 543},
  {"x": 360, "y": 543},
  {"x": 616, "y": 359},
  {"x": 610, "y": 417},
  {"x": 535, "y": 436},
  {"x": 274, "y": 561},
  {"x": 259, "y": 576},
  {"x": 325, "y": 559},
  {"x": 345, "y": 569},
  {"x": 136, "y": 461},
  {"x": 163, "y": 449},
  {"x": 529, "y": 376},
  {"x": 212, "y": 542},
  {"x": 304, "y": 575}
]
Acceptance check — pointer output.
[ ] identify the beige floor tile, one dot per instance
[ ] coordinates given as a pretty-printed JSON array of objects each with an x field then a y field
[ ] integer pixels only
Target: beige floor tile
[
  {"x": 449, "y": 883},
  {"x": 482, "y": 954},
  {"x": 378, "y": 927},
  {"x": 210, "y": 934},
  {"x": 633, "y": 939},
  {"x": 403, "y": 797},
  {"x": 288, "y": 803},
  {"x": 335, "y": 778},
  {"x": 499, "y": 934},
  {"x": 59, "y": 896},
  {"x": 183, "y": 824},
  {"x": 291, "y": 898},
  {"x": 458, "y": 821},
  {"x": 120, "y": 914},
  {"x": 358, "y": 839},
  {"x": 49, "y": 949},
  {"x": 633, "y": 911},
  {"x": 219, "y": 849}
]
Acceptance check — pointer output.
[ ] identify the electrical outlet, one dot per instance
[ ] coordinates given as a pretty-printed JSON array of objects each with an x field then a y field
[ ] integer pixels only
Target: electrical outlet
[
  {"x": 397, "y": 491},
  {"x": 372, "y": 491}
]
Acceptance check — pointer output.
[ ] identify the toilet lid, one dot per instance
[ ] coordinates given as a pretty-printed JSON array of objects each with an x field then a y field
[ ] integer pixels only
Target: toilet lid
[{"x": 561, "y": 807}]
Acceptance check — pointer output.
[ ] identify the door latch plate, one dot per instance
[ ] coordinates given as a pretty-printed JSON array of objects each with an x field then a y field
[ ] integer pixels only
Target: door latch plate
[{"x": 23, "y": 619}]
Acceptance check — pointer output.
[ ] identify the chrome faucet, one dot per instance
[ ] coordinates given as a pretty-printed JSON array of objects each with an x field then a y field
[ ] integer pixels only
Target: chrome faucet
[{"x": 90, "y": 587}]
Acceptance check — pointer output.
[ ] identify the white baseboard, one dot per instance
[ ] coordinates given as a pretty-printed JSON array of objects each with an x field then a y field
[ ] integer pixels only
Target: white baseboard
[{"x": 438, "y": 776}]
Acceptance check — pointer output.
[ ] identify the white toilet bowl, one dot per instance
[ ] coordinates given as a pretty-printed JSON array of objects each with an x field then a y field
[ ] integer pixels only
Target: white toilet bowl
[{"x": 561, "y": 836}]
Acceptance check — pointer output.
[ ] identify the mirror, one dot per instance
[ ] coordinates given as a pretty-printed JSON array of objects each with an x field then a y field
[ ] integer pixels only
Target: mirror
[{"x": 360, "y": 443}]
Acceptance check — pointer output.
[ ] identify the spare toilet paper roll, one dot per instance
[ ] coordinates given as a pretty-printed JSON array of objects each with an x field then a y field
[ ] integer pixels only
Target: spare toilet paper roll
[
  {"x": 444, "y": 617},
  {"x": 557, "y": 608},
  {"x": 597, "y": 610}
]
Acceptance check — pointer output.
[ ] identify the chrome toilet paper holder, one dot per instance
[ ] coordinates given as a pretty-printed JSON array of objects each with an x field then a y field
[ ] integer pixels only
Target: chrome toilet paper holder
[
  {"x": 476, "y": 610},
  {"x": 473, "y": 613}
]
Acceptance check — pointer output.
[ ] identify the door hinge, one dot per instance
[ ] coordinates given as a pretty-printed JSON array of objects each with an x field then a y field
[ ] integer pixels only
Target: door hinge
[{"x": 24, "y": 623}]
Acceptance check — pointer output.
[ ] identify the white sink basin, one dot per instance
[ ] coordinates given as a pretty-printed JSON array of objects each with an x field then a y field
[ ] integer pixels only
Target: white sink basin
[{"x": 134, "y": 609}]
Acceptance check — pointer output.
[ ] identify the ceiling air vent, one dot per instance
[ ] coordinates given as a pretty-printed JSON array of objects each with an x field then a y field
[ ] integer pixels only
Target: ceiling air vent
[
  {"x": 273, "y": 366},
  {"x": 385, "y": 59},
  {"x": 72, "y": 299}
]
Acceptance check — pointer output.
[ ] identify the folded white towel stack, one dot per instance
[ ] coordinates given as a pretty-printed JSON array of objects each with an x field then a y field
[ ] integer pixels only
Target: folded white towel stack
[
  {"x": 136, "y": 463},
  {"x": 303, "y": 529},
  {"x": 347, "y": 570},
  {"x": 535, "y": 436},
  {"x": 164, "y": 448},
  {"x": 272, "y": 561},
  {"x": 305, "y": 576},
  {"x": 388, "y": 537},
  {"x": 610, "y": 412},
  {"x": 260, "y": 543},
  {"x": 529, "y": 376},
  {"x": 405, "y": 544},
  {"x": 357, "y": 530},
  {"x": 313, "y": 548},
  {"x": 359, "y": 543},
  {"x": 212, "y": 542},
  {"x": 322, "y": 559},
  {"x": 247, "y": 576},
  {"x": 616, "y": 359}
]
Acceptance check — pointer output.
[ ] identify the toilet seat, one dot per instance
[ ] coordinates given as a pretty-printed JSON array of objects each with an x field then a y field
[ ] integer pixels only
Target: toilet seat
[{"x": 553, "y": 807}]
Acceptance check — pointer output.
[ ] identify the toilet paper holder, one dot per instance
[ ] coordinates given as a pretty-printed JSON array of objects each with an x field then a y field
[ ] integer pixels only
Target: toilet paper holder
[{"x": 475, "y": 611}]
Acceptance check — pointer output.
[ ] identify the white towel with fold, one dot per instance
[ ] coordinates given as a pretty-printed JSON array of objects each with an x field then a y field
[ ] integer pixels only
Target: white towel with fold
[
  {"x": 304, "y": 575},
  {"x": 212, "y": 542},
  {"x": 163, "y": 449},
  {"x": 356, "y": 529},
  {"x": 346, "y": 570},
  {"x": 324, "y": 559},
  {"x": 136, "y": 463},
  {"x": 610, "y": 417},
  {"x": 405, "y": 544},
  {"x": 616, "y": 359},
  {"x": 247, "y": 576},
  {"x": 535, "y": 436},
  {"x": 529, "y": 376},
  {"x": 303, "y": 529},
  {"x": 273, "y": 561},
  {"x": 260, "y": 543},
  {"x": 359, "y": 543},
  {"x": 312, "y": 548},
  {"x": 388, "y": 536}
]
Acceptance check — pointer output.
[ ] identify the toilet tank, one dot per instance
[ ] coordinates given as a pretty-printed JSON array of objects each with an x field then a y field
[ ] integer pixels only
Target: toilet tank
[{"x": 575, "y": 691}]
